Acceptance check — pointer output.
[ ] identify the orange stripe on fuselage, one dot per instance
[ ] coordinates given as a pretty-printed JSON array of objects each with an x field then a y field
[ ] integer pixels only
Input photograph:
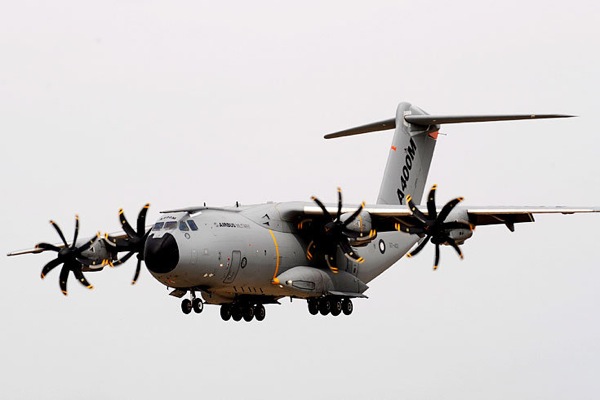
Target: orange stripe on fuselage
[{"x": 275, "y": 281}]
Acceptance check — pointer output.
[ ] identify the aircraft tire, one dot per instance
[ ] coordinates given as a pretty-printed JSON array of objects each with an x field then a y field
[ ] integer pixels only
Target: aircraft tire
[
  {"x": 236, "y": 313},
  {"x": 313, "y": 306},
  {"x": 197, "y": 305},
  {"x": 248, "y": 313},
  {"x": 347, "y": 306},
  {"x": 324, "y": 306},
  {"x": 225, "y": 312},
  {"x": 259, "y": 312},
  {"x": 336, "y": 307},
  {"x": 186, "y": 306}
]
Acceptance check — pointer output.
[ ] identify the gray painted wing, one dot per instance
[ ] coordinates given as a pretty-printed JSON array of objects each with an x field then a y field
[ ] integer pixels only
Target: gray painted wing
[{"x": 385, "y": 216}]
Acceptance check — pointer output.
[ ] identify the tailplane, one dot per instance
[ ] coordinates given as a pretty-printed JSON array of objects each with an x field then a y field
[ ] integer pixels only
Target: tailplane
[{"x": 412, "y": 147}]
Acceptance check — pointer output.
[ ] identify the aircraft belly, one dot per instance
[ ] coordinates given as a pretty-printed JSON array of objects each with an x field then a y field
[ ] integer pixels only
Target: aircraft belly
[{"x": 383, "y": 252}]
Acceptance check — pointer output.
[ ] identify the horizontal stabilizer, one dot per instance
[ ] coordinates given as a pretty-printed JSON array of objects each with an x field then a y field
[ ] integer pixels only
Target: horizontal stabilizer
[
  {"x": 427, "y": 120},
  {"x": 374, "y": 127}
]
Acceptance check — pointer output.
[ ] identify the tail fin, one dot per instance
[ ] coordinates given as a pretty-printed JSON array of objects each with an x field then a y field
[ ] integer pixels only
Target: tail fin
[
  {"x": 412, "y": 147},
  {"x": 409, "y": 159}
]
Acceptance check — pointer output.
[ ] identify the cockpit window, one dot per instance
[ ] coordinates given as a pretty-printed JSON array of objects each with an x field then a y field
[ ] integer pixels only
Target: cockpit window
[
  {"x": 158, "y": 226},
  {"x": 192, "y": 225},
  {"x": 170, "y": 225},
  {"x": 183, "y": 226}
]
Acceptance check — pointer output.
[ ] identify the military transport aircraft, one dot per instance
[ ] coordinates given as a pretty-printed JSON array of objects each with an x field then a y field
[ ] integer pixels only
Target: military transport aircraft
[{"x": 243, "y": 257}]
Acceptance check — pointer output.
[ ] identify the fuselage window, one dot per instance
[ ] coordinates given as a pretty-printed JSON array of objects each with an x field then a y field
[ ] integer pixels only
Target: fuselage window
[
  {"x": 170, "y": 225},
  {"x": 158, "y": 226},
  {"x": 192, "y": 225},
  {"x": 183, "y": 226}
]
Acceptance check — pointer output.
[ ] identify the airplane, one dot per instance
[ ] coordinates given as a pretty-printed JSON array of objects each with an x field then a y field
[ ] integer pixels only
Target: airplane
[{"x": 244, "y": 257}]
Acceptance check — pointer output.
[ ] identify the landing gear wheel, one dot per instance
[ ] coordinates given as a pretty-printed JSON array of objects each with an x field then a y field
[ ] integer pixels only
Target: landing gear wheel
[
  {"x": 347, "y": 306},
  {"x": 197, "y": 305},
  {"x": 186, "y": 306},
  {"x": 236, "y": 313},
  {"x": 248, "y": 313},
  {"x": 324, "y": 306},
  {"x": 313, "y": 306},
  {"x": 225, "y": 312},
  {"x": 336, "y": 307},
  {"x": 259, "y": 312}
]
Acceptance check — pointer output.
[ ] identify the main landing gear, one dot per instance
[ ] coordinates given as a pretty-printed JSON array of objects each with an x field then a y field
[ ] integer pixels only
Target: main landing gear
[
  {"x": 248, "y": 312},
  {"x": 330, "y": 305}
]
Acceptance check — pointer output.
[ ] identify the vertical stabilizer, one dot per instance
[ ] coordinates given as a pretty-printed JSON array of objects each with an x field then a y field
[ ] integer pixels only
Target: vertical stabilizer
[{"x": 409, "y": 158}]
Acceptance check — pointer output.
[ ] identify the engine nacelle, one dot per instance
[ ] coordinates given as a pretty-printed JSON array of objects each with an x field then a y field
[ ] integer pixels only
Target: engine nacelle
[
  {"x": 459, "y": 235},
  {"x": 98, "y": 251},
  {"x": 360, "y": 231}
]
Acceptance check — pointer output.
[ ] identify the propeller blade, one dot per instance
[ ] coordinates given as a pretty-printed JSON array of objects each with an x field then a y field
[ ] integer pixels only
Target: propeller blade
[
  {"x": 137, "y": 271},
  {"x": 349, "y": 252},
  {"x": 76, "y": 233},
  {"x": 310, "y": 246},
  {"x": 339, "y": 209},
  {"x": 79, "y": 275},
  {"x": 50, "y": 266},
  {"x": 322, "y": 206},
  {"x": 86, "y": 245},
  {"x": 64, "y": 276},
  {"x": 431, "y": 203},
  {"x": 331, "y": 266},
  {"x": 419, "y": 247},
  {"x": 120, "y": 243},
  {"x": 126, "y": 227},
  {"x": 57, "y": 228},
  {"x": 47, "y": 246},
  {"x": 141, "y": 221},
  {"x": 122, "y": 260},
  {"x": 447, "y": 208},
  {"x": 354, "y": 215},
  {"x": 452, "y": 243},
  {"x": 415, "y": 211}
]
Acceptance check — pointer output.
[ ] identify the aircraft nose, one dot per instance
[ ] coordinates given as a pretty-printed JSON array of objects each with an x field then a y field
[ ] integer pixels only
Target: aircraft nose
[{"x": 161, "y": 254}]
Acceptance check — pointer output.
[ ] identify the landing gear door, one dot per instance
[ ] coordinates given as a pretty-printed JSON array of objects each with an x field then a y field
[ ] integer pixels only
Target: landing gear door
[{"x": 234, "y": 266}]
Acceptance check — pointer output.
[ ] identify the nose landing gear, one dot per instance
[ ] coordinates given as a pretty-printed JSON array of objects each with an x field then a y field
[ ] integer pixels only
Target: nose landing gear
[{"x": 195, "y": 303}]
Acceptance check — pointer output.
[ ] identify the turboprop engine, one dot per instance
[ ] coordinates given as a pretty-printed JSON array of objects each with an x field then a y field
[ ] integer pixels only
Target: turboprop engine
[
  {"x": 460, "y": 218},
  {"x": 360, "y": 230},
  {"x": 448, "y": 227}
]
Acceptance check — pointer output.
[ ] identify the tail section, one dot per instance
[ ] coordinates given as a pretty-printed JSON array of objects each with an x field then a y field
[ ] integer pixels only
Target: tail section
[
  {"x": 412, "y": 147},
  {"x": 409, "y": 158}
]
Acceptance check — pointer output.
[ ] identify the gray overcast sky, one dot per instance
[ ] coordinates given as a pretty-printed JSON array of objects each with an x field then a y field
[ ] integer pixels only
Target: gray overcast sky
[{"x": 115, "y": 103}]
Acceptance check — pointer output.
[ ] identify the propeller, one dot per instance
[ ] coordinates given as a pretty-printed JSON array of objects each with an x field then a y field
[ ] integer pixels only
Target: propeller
[
  {"x": 433, "y": 227},
  {"x": 69, "y": 256},
  {"x": 334, "y": 234},
  {"x": 133, "y": 243}
]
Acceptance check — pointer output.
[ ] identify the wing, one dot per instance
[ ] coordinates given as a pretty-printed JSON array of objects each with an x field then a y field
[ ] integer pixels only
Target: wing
[{"x": 385, "y": 217}]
